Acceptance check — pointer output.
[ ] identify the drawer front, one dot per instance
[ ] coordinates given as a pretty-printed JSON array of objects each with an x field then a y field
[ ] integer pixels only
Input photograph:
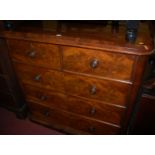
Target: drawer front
[
  {"x": 75, "y": 105},
  {"x": 3, "y": 85},
  {"x": 45, "y": 55},
  {"x": 103, "y": 90},
  {"x": 45, "y": 97},
  {"x": 99, "y": 63},
  {"x": 96, "y": 110},
  {"x": 56, "y": 117},
  {"x": 39, "y": 77}
]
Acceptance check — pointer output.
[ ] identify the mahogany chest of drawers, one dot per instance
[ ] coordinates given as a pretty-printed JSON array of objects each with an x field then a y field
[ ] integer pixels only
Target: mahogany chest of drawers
[{"x": 77, "y": 81}]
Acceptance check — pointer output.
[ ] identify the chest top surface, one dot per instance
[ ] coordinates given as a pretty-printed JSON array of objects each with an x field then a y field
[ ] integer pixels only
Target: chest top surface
[{"x": 93, "y": 35}]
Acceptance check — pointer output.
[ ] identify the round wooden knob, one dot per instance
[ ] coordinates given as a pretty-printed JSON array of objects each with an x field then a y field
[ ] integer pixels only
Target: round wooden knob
[
  {"x": 32, "y": 54},
  {"x": 94, "y": 63},
  {"x": 93, "y": 90},
  {"x": 43, "y": 98},
  {"x": 37, "y": 77},
  {"x": 46, "y": 113},
  {"x": 92, "y": 111}
]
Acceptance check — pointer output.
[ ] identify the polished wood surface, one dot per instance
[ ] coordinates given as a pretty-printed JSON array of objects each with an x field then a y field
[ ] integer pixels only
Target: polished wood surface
[
  {"x": 82, "y": 79},
  {"x": 103, "y": 40},
  {"x": 44, "y": 55},
  {"x": 46, "y": 97},
  {"x": 40, "y": 77},
  {"x": 104, "y": 90},
  {"x": 53, "y": 116},
  {"x": 108, "y": 64},
  {"x": 92, "y": 109}
]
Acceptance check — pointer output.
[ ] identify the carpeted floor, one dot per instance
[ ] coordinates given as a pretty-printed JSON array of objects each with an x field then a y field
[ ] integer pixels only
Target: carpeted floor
[{"x": 10, "y": 125}]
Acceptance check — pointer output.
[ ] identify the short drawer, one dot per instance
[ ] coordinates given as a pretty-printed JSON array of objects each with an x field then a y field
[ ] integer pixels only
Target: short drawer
[
  {"x": 67, "y": 120},
  {"x": 38, "y": 54},
  {"x": 103, "y": 90},
  {"x": 91, "y": 109},
  {"x": 98, "y": 63},
  {"x": 40, "y": 77}
]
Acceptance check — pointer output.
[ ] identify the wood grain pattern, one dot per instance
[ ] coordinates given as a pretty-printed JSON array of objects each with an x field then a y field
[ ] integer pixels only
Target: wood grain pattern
[
  {"x": 115, "y": 66},
  {"x": 84, "y": 80},
  {"x": 53, "y": 116},
  {"x": 115, "y": 42},
  {"x": 45, "y": 96},
  {"x": 40, "y": 77},
  {"x": 106, "y": 91},
  {"x": 94, "y": 110},
  {"x": 37, "y": 54}
]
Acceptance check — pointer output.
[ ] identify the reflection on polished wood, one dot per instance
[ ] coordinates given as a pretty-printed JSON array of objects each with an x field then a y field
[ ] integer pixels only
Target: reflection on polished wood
[{"x": 81, "y": 78}]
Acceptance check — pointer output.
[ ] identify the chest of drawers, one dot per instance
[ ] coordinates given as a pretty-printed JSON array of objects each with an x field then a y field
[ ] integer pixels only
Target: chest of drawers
[{"x": 79, "y": 84}]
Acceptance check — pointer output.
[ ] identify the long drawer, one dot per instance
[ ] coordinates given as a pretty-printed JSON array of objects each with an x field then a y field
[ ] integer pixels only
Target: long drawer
[
  {"x": 37, "y": 54},
  {"x": 56, "y": 117},
  {"x": 40, "y": 77},
  {"x": 98, "y": 63},
  {"x": 91, "y": 109},
  {"x": 103, "y": 90}
]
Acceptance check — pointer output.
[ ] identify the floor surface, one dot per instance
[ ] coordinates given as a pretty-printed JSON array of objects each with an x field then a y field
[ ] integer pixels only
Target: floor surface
[{"x": 10, "y": 125}]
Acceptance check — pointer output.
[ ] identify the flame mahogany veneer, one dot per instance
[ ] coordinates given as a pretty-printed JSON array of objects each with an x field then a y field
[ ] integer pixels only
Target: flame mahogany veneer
[{"x": 79, "y": 83}]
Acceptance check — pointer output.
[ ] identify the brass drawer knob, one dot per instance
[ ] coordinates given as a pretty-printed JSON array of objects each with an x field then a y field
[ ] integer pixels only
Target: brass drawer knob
[
  {"x": 37, "y": 77},
  {"x": 94, "y": 63},
  {"x": 46, "y": 113},
  {"x": 93, "y": 90},
  {"x": 92, "y": 111},
  {"x": 32, "y": 54},
  {"x": 43, "y": 98}
]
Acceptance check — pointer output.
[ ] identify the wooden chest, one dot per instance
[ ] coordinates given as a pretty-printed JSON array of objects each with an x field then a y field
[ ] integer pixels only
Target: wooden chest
[{"x": 79, "y": 82}]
